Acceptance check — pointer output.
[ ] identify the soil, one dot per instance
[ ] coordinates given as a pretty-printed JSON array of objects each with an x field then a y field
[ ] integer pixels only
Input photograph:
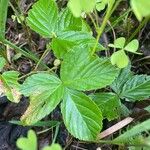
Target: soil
[{"x": 20, "y": 35}]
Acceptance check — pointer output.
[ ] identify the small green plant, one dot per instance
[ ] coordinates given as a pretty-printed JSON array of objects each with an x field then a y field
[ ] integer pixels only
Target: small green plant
[
  {"x": 30, "y": 142},
  {"x": 82, "y": 70},
  {"x": 120, "y": 58}
]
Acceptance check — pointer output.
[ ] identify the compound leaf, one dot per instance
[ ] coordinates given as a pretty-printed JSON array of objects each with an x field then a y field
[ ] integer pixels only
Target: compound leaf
[
  {"x": 108, "y": 103},
  {"x": 45, "y": 91},
  {"x": 81, "y": 115},
  {"x": 43, "y": 17},
  {"x": 82, "y": 71}
]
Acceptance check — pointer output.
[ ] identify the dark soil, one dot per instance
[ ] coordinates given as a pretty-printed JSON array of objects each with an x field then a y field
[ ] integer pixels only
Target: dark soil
[{"x": 21, "y": 35}]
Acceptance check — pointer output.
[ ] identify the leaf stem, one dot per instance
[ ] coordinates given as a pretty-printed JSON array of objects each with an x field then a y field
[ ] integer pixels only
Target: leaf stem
[{"x": 109, "y": 12}]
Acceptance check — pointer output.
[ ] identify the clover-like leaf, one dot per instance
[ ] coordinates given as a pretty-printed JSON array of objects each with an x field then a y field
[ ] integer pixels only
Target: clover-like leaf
[
  {"x": 120, "y": 59},
  {"x": 82, "y": 71},
  {"x": 43, "y": 17},
  {"x": 81, "y": 115},
  {"x": 118, "y": 43},
  {"x": 79, "y": 6},
  {"x": 45, "y": 91},
  {"x": 108, "y": 103},
  {"x": 9, "y": 86},
  {"x": 28, "y": 143},
  {"x": 132, "y": 46}
]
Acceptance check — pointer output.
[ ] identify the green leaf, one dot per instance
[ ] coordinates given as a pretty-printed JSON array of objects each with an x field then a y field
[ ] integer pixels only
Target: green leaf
[
  {"x": 3, "y": 17},
  {"x": 53, "y": 147},
  {"x": 132, "y": 46},
  {"x": 9, "y": 86},
  {"x": 2, "y": 63},
  {"x": 136, "y": 88},
  {"x": 124, "y": 75},
  {"x": 118, "y": 43},
  {"x": 29, "y": 142},
  {"x": 136, "y": 130},
  {"x": 140, "y": 8},
  {"x": 120, "y": 59},
  {"x": 82, "y": 71},
  {"x": 68, "y": 22},
  {"x": 45, "y": 91},
  {"x": 81, "y": 115},
  {"x": 108, "y": 103},
  {"x": 43, "y": 18},
  {"x": 79, "y": 6},
  {"x": 69, "y": 39}
]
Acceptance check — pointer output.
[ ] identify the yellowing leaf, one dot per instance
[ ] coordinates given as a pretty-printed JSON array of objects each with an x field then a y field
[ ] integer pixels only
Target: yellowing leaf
[
  {"x": 45, "y": 91},
  {"x": 10, "y": 86},
  {"x": 120, "y": 59}
]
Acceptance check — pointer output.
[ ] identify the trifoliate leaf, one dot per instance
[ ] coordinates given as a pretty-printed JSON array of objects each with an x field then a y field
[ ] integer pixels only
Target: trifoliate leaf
[
  {"x": 136, "y": 88},
  {"x": 120, "y": 59},
  {"x": 28, "y": 143},
  {"x": 9, "y": 86},
  {"x": 132, "y": 46},
  {"x": 118, "y": 43},
  {"x": 43, "y": 17},
  {"x": 53, "y": 147},
  {"x": 81, "y": 115},
  {"x": 140, "y": 8},
  {"x": 45, "y": 91},
  {"x": 2, "y": 63},
  {"x": 82, "y": 71},
  {"x": 79, "y": 6},
  {"x": 108, "y": 103}
]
